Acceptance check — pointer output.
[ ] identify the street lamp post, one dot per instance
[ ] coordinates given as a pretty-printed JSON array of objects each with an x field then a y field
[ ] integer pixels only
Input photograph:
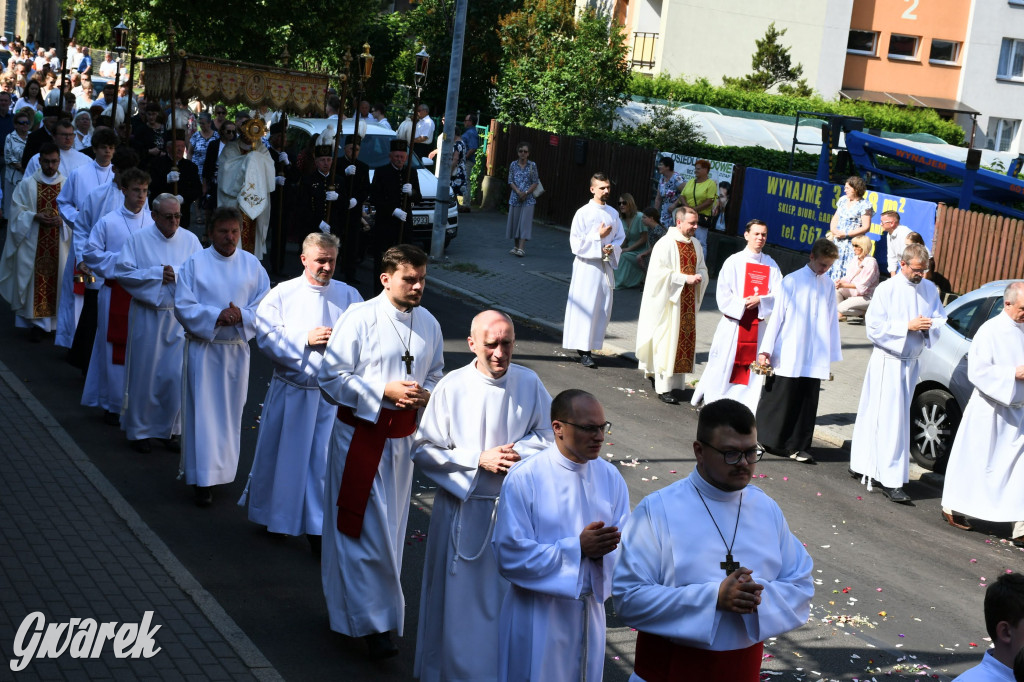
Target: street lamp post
[
  {"x": 365, "y": 70},
  {"x": 120, "y": 47},
  {"x": 344, "y": 78},
  {"x": 419, "y": 78},
  {"x": 67, "y": 25}
]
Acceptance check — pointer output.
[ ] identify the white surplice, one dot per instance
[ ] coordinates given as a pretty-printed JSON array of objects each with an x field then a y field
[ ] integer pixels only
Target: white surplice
[
  {"x": 215, "y": 377},
  {"x": 802, "y": 335},
  {"x": 668, "y": 575},
  {"x": 881, "y": 434},
  {"x": 985, "y": 474},
  {"x": 589, "y": 307},
  {"x": 104, "y": 382},
  {"x": 714, "y": 382},
  {"x": 462, "y": 591},
  {"x": 156, "y": 340},
  {"x": 553, "y": 617},
  {"x": 657, "y": 329},
  {"x": 245, "y": 181},
  {"x": 82, "y": 182},
  {"x": 18, "y": 262},
  {"x": 286, "y": 484},
  {"x": 362, "y": 576},
  {"x": 70, "y": 159}
]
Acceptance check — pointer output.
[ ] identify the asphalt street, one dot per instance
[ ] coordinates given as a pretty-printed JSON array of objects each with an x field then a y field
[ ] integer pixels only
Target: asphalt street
[{"x": 898, "y": 592}]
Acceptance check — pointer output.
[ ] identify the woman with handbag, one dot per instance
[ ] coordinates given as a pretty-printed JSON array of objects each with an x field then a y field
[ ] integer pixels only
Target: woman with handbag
[
  {"x": 700, "y": 193},
  {"x": 525, "y": 188}
]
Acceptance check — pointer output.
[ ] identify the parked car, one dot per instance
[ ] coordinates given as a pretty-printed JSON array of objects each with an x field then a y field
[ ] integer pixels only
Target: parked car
[
  {"x": 943, "y": 388},
  {"x": 374, "y": 153}
]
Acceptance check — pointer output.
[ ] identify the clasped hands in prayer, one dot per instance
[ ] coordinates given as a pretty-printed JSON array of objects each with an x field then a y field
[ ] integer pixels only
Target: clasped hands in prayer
[
  {"x": 919, "y": 323},
  {"x": 596, "y": 540},
  {"x": 739, "y": 593},
  {"x": 406, "y": 395},
  {"x": 318, "y": 336},
  {"x": 168, "y": 276},
  {"x": 231, "y": 315},
  {"x": 499, "y": 460}
]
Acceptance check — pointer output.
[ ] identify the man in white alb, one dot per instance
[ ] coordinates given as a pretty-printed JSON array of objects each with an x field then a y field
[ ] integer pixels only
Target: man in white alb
[
  {"x": 381, "y": 364},
  {"x": 596, "y": 239},
  {"x": 666, "y": 332},
  {"x": 903, "y": 312},
  {"x": 147, "y": 268},
  {"x": 800, "y": 343},
  {"x": 704, "y": 595},
  {"x": 1004, "y": 622},
  {"x": 746, "y": 291},
  {"x": 293, "y": 323},
  {"x": 104, "y": 382},
  {"x": 985, "y": 474},
  {"x": 481, "y": 419},
  {"x": 215, "y": 299},
  {"x": 556, "y": 540}
]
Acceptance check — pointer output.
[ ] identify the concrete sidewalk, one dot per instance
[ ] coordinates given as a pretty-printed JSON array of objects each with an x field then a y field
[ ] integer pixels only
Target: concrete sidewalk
[
  {"x": 73, "y": 548},
  {"x": 535, "y": 288}
]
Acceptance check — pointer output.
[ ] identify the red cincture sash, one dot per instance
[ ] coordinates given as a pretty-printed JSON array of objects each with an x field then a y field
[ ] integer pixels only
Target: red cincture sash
[
  {"x": 659, "y": 660},
  {"x": 47, "y": 265},
  {"x": 364, "y": 453},
  {"x": 687, "y": 342},
  {"x": 755, "y": 284},
  {"x": 117, "y": 322}
]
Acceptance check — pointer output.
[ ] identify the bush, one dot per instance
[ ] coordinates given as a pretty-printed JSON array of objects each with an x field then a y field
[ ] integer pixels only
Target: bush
[{"x": 882, "y": 116}]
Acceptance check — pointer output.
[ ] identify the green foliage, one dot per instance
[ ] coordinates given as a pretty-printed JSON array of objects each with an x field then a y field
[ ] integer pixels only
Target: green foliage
[
  {"x": 663, "y": 129},
  {"x": 751, "y": 157},
  {"x": 559, "y": 72},
  {"x": 772, "y": 66},
  {"x": 478, "y": 173},
  {"x": 882, "y": 116}
]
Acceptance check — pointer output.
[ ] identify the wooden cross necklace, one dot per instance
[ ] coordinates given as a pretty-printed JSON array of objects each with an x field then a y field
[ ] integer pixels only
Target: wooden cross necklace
[
  {"x": 729, "y": 565},
  {"x": 408, "y": 357}
]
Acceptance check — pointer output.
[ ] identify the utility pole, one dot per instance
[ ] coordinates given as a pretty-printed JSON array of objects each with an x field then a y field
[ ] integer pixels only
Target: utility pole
[{"x": 451, "y": 109}]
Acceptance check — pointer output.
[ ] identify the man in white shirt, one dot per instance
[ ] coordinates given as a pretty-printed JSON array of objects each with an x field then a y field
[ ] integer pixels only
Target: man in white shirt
[
  {"x": 108, "y": 67},
  {"x": 481, "y": 419},
  {"x": 596, "y": 238},
  {"x": 800, "y": 343},
  {"x": 904, "y": 310},
  {"x": 895, "y": 240},
  {"x": 1004, "y": 621},
  {"x": 699, "y": 617},
  {"x": 424, "y": 134}
]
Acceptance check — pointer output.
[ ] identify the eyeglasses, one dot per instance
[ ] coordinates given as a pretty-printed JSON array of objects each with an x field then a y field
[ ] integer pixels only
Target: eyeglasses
[
  {"x": 229, "y": 132},
  {"x": 919, "y": 271},
  {"x": 591, "y": 429},
  {"x": 170, "y": 216},
  {"x": 754, "y": 454},
  {"x": 623, "y": 203},
  {"x": 524, "y": 151},
  {"x": 21, "y": 123}
]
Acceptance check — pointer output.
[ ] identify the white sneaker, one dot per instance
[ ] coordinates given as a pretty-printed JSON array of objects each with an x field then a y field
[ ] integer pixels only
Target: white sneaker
[{"x": 803, "y": 456}]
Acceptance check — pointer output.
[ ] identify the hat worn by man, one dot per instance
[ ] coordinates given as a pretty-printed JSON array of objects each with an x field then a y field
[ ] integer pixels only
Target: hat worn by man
[{"x": 399, "y": 145}]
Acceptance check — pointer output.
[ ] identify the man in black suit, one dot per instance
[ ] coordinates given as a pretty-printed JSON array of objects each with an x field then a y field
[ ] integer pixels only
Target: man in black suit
[
  {"x": 162, "y": 169},
  {"x": 388, "y": 194},
  {"x": 353, "y": 181}
]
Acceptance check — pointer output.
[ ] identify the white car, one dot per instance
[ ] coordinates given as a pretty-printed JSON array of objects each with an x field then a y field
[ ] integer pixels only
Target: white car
[{"x": 374, "y": 153}]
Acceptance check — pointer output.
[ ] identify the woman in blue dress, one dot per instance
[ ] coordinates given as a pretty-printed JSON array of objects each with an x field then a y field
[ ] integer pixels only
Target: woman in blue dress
[{"x": 852, "y": 218}]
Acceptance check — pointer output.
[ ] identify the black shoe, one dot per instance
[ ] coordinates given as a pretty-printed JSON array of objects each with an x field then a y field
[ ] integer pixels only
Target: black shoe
[
  {"x": 35, "y": 334},
  {"x": 667, "y": 397},
  {"x": 173, "y": 443},
  {"x": 142, "y": 445},
  {"x": 379, "y": 645},
  {"x": 854, "y": 474},
  {"x": 204, "y": 496},
  {"x": 896, "y": 495},
  {"x": 112, "y": 419},
  {"x": 588, "y": 361},
  {"x": 315, "y": 544}
]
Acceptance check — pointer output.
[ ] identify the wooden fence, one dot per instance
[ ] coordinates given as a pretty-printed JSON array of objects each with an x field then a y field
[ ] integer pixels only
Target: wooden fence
[{"x": 972, "y": 248}]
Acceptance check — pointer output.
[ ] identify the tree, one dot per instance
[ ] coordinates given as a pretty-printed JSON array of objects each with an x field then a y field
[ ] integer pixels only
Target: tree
[
  {"x": 772, "y": 66},
  {"x": 664, "y": 129},
  {"x": 561, "y": 72}
]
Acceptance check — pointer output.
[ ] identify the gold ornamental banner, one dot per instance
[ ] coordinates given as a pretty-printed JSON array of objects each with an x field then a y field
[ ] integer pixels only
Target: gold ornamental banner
[{"x": 223, "y": 81}]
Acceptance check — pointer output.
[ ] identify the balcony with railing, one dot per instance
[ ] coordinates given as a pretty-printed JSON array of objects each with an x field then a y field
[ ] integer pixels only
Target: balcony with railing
[{"x": 642, "y": 53}]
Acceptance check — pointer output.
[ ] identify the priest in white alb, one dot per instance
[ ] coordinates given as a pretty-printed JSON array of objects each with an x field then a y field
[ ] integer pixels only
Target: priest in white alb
[
  {"x": 596, "y": 238},
  {"x": 147, "y": 268},
  {"x": 36, "y": 246},
  {"x": 666, "y": 331},
  {"x": 800, "y": 343},
  {"x": 481, "y": 419},
  {"x": 104, "y": 382},
  {"x": 293, "y": 324},
  {"x": 904, "y": 313},
  {"x": 245, "y": 179},
  {"x": 706, "y": 593},
  {"x": 381, "y": 364},
  {"x": 985, "y": 474},
  {"x": 746, "y": 290},
  {"x": 215, "y": 297},
  {"x": 556, "y": 539}
]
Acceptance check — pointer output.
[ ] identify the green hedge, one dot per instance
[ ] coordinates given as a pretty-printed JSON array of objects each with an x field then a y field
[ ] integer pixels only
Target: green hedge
[
  {"x": 882, "y": 116},
  {"x": 751, "y": 157}
]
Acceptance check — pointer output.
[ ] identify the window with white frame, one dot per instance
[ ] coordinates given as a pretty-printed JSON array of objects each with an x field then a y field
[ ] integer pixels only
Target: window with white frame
[
  {"x": 1011, "y": 59},
  {"x": 944, "y": 51},
  {"x": 902, "y": 47},
  {"x": 863, "y": 42},
  {"x": 1001, "y": 132}
]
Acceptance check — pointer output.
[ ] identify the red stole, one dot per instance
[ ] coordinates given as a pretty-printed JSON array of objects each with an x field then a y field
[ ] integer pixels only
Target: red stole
[
  {"x": 364, "y": 453},
  {"x": 248, "y": 242},
  {"x": 117, "y": 322},
  {"x": 686, "y": 345},
  {"x": 46, "y": 275},
  {"x": 755, "y": 283},
  {"x": 659, "y": 660}
]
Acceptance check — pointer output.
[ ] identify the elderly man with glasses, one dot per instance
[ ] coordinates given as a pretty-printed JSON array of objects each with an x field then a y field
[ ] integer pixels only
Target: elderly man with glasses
[{"x": 705, "y": 594}]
